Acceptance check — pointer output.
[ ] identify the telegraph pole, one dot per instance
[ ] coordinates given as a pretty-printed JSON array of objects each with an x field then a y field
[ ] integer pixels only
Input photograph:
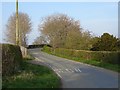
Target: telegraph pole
[{"x": 17, "y": 28}]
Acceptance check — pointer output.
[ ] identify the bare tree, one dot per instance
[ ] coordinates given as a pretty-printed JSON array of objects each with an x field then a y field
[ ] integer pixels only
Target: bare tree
[
  {"x": 61, "y": 31},
  {"x": 24, "y": 28},
  {"x": 56, "y": 28}
]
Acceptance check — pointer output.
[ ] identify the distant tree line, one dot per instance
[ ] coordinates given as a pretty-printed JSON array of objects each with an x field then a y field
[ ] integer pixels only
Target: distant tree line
[{"x": 60, "y": 31}]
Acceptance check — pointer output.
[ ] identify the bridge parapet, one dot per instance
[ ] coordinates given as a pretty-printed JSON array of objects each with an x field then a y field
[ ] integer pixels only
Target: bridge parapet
[{"x": 38, "y": 46}]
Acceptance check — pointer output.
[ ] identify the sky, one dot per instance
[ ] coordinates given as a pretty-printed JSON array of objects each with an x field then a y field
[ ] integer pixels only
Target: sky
[{"x": 97, "y": 17}]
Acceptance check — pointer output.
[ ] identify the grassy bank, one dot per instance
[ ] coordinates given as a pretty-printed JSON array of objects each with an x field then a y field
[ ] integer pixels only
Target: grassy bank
[
  {"x": 61, "y": 53},
  {"x": 32, "y": 76},
  {"x": 28, "y": 57}
]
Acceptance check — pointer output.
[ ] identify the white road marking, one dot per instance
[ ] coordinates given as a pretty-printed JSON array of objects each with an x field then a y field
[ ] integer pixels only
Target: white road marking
[
  {"x": 53, "y": 70},
  {"x": 66, "y": 70},
  {"x": 56, "y": 69},
  {"x": 50, "y": 66},
  {"x": 59, "y": 75},
  {"x": 59, "y": 71},
  {"x": 71, "y": 70},
  {"x": 56, "y": 72},
  {"x": 76, "y": 70},
  {"x": 79, "y": 70},
  {"x": 39, "y": 59}
]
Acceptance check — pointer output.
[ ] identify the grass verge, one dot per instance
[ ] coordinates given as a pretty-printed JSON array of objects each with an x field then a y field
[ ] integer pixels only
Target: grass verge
[
  {"x": 32, "y": 76},
  {"x": 113, "y": 67},
  {"x": 29, "y": 57}
]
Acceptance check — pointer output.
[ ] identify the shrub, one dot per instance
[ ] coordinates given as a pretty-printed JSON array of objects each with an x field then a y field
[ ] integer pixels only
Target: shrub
[
  {"x": 47, "y": 49},
  {"x": 11, "y": 59}
]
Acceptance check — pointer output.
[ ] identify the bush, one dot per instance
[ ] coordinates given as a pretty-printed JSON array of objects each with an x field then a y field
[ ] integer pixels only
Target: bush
[
  {"x": 102, "y": 56},
  {"x": 47, "y": 49},
  {"x": 11, "y": 59}
]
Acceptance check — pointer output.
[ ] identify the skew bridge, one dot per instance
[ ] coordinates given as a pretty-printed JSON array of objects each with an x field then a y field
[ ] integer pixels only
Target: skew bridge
[{"x": 37, "y": 46}]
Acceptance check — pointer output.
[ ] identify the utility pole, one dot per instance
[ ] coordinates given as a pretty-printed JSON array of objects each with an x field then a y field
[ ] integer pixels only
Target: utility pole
[{"x": 17, "y": 28}]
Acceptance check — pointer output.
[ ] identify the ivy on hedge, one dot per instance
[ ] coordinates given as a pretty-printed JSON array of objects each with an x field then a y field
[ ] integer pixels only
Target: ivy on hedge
[{"x": 11, "y": 59}]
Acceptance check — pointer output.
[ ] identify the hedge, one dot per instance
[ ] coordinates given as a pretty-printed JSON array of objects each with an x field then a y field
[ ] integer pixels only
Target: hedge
[
  {"x": 11, "y": 59},
  {"x": 102, "y": 56}
]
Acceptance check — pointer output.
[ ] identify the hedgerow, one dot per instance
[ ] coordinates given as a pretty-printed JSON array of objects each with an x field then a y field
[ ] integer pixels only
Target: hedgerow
[
  {"x": 11, "y": 59},
  {"x": 102, "y": 56}
]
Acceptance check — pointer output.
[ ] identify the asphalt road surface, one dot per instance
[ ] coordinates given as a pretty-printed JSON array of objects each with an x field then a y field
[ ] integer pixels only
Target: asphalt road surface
[{"x": 76, "y": 75}]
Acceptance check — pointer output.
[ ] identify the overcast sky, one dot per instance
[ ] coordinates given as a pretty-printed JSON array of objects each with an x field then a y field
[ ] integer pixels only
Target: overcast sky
[{"x": 97, "y": 17}]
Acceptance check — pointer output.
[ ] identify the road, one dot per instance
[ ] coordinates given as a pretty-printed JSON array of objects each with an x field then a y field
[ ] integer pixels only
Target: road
[{"x": 75, "y": 74}]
